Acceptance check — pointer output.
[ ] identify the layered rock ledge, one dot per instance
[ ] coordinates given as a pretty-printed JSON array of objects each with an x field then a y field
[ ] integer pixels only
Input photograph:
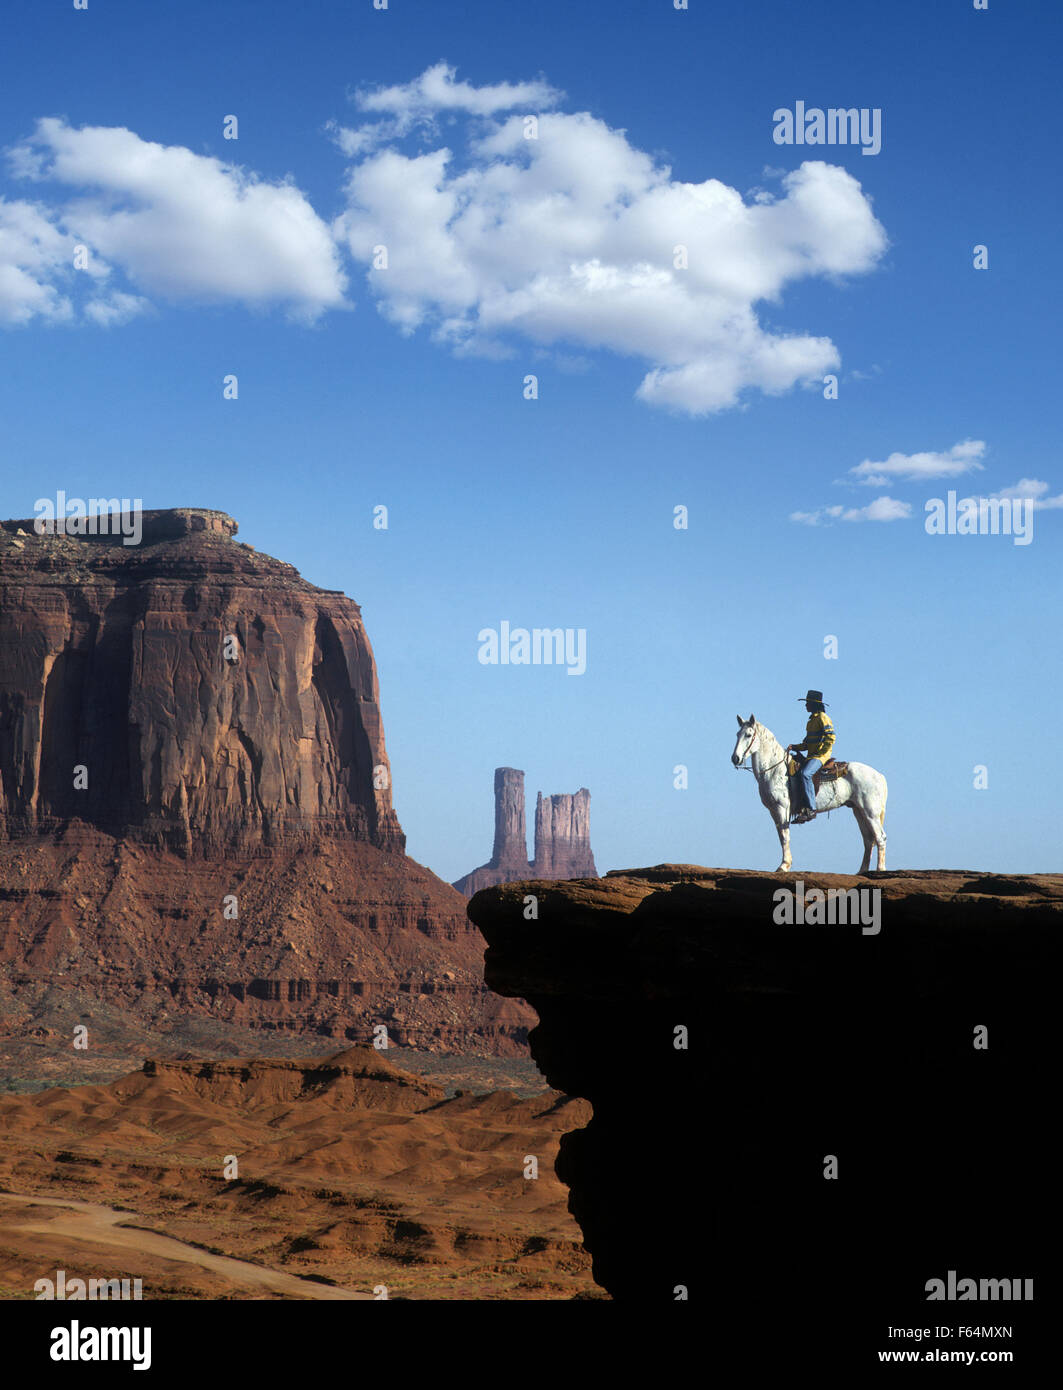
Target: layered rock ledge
[{"x": 702, "y": 1173}]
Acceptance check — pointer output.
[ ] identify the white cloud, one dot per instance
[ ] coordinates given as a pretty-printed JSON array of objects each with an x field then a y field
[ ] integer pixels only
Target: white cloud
[
  {"x": 818, "y": 518},
  {"x": 114, "y": 309},
  {"x": 33, "y": 254},
  {"x": 568, "y": 239},
  {"x": 353, "y": 143},
  {"x": 881, "y": 509},
  {"x": 964, "y": 457},
  {"x": 1036, "y": 491},
  {"x": 419, "y": 104},
  {"x": 436, "y": 90},
  {"x": 182, "y": 225}
]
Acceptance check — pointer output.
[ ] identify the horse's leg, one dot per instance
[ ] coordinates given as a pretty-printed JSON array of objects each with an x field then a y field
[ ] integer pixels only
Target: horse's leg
[
  {"x": 867, "y": 835},
  {"x": 782, "y": 825},
  {"x": 880, "y": 827},
  {"x": 871, "y": 813}
]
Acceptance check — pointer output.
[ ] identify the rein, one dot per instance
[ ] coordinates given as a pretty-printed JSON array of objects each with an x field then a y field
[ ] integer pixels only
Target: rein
[{"x": 741, "y": 767}]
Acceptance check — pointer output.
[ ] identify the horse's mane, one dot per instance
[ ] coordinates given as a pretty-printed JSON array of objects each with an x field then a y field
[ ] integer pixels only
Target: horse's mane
[{"x": 764, "y": 730}]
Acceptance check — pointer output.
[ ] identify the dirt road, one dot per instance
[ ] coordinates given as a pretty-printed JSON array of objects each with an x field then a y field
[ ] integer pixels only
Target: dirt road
[{"x": 102, "y": 1225}]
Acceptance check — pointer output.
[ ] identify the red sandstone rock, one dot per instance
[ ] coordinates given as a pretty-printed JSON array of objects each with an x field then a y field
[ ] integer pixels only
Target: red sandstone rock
[
  {"x": 113, "y": 658},
  {"x": 563, "y": 836},
  {"x": 264, "y": 779},
  {"x": 509, "y": 858}
]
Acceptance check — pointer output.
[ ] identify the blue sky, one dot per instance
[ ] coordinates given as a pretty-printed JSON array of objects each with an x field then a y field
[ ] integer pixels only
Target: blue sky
[{"x": 557, "y": 512}]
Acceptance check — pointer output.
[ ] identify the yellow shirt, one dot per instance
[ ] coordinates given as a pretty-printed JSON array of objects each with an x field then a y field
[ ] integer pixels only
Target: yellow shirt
[{"x": 819, "y": 737}]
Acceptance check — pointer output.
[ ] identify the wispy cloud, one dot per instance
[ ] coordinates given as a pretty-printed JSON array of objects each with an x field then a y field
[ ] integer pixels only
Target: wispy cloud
[
  {"x": 881, "y": 509},
  {"x": 1036, "y": 491},
  {"x": 417, "y": 105},
  {"x": 113, "y": 309},
  {"x": 964, "y": 457}
]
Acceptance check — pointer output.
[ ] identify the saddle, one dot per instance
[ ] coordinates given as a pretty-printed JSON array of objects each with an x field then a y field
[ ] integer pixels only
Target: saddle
[{"x": 829, "y": 772}]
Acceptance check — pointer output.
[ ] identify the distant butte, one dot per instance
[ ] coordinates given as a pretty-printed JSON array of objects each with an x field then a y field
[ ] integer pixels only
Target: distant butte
[{"x": 562, "y": 837}]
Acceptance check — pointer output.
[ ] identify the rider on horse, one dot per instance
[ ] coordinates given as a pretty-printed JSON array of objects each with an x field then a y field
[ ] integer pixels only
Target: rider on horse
[{"x": 818, "y": 741}]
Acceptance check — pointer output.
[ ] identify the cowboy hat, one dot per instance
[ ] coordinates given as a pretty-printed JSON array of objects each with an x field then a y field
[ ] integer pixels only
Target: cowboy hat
[{"x": 816, "y": 695}]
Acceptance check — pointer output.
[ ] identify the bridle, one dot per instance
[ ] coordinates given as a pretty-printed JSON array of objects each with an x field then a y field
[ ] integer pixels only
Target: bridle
[{"x": 741, "y": 767}]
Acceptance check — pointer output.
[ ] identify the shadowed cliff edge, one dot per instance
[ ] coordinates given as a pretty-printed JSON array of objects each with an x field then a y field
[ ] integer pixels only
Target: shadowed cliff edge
[{"x": 703, "y": 1168}]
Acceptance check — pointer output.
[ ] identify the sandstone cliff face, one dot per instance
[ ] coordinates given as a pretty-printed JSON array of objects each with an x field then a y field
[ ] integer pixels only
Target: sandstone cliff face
[
  {"x": 511, "y": 835},
  {"x": 140, "y": 945},
  {"x": 704, "y": 1166},
  {"x": 113, "y": 659},
  {"x": 562, "y": 837},
  {"x": 232, "y": 861}
]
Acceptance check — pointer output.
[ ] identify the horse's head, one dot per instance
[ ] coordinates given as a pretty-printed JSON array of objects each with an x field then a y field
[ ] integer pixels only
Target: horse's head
[{"x": 747, "y": 740}]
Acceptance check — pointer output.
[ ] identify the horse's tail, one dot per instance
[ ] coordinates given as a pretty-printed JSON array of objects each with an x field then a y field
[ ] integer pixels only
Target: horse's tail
[{"x": 882, "y": 813}]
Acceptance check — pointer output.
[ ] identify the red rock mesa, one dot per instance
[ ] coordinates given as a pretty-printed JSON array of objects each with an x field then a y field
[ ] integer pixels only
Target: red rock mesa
[{"x": 195, "y": 802}]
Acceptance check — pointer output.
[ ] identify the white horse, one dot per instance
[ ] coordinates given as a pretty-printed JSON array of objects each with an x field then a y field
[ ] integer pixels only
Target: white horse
[{"x": 862, "y": 789}]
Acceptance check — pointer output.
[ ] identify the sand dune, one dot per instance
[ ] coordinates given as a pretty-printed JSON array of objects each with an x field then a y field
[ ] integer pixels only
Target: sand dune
[{"x": 350, "y": 1170}]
